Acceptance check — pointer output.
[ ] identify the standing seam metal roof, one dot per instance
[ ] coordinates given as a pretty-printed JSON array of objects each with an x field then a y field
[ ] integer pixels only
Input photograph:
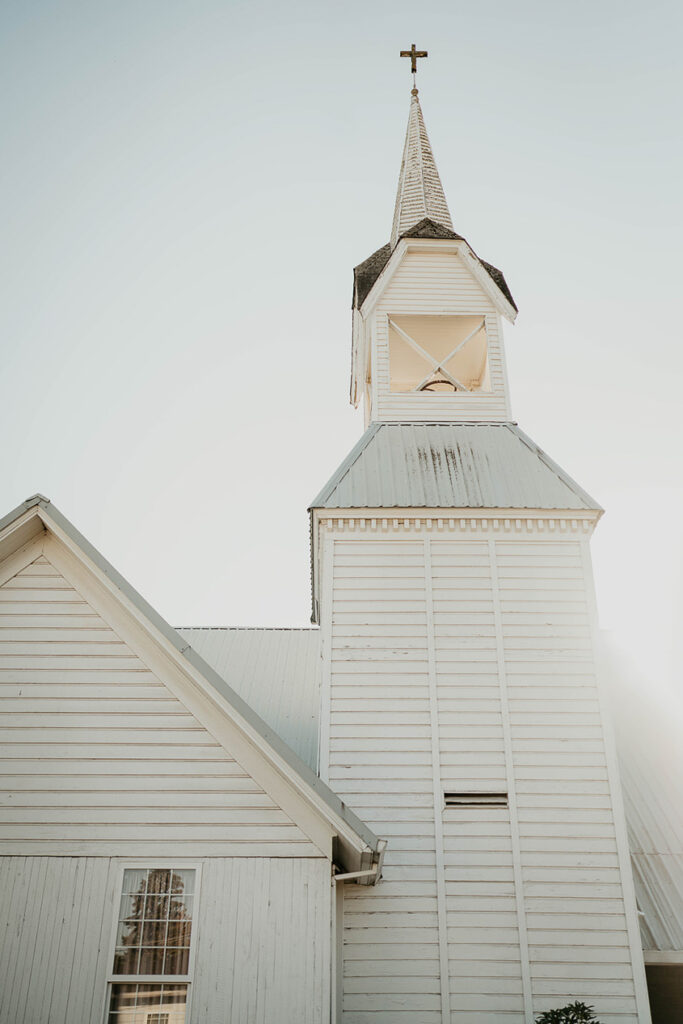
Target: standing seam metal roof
[
  {"x": 276, "y": 671},
  {"x": 450, "y": 465}
]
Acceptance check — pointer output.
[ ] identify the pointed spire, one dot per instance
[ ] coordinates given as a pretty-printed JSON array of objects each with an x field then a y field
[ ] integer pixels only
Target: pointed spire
[{"x": 420, "y": 192}]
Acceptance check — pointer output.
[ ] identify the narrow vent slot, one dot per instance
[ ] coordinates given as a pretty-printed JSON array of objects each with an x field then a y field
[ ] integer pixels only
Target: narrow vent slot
[{"x": 476, "y": 799}]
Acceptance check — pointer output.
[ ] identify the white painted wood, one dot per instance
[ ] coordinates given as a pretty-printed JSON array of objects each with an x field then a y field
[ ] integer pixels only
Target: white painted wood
[
  {"x": 436, "y": 283},
  {"x": 437, "y": 787},
  {"x": 61, "y": 749},
  {"x": 263, "y": 951},
  {"x": 511, "y": 788},
  {"x": 534, "y": 894},
  {"x": 262, "y": 933}
]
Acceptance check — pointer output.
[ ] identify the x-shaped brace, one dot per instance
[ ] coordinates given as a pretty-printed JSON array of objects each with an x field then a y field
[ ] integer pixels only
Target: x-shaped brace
[{"x": 437, "y": 367}]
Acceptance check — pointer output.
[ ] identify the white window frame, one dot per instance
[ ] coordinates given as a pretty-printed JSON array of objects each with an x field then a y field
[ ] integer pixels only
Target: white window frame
[{"x": 152, "y": 979}]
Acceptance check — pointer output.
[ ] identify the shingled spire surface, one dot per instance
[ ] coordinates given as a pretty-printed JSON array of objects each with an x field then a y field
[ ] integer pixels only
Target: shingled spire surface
[{"x": 420, "y": 192}]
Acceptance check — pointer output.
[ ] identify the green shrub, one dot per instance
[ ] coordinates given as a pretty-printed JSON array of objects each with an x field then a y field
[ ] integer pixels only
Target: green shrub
[{"x": 574, "y": 1013}]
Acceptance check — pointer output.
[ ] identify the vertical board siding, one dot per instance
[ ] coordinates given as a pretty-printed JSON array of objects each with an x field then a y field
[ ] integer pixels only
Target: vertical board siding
[
  {"x": 263, "y": 952},
  {"x": 437, "y": 283},
  {"x": 94, "y": 748},
  {"x": 525, "y": 617},
  {"x": 55, "y": 931},
  {"x": 262, "y": 932}
]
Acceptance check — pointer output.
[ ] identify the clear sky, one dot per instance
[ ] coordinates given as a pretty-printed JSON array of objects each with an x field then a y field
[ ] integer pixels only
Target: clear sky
[{"x": 184, "y": 189}]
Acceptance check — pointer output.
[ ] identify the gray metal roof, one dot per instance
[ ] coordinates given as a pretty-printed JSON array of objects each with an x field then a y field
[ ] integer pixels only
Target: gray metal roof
[
  {"x": 276, "y": 671},
  {"x": 450, "y": 465},
  {"x": 648, "y": 725}
]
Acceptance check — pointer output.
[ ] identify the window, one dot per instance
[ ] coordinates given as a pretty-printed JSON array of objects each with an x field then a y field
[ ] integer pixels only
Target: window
[
  {"x": 151, "y": 972},
  {"x": 476, "y": 799},
  {"x": 438, "y": 354}
]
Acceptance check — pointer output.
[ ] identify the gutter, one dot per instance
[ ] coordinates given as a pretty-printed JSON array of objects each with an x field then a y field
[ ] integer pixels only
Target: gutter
[{"x": 372, "y": 874}]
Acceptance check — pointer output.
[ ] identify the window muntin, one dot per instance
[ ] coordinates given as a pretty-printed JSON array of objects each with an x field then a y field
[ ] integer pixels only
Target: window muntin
[
  {"x": 438, "y": 354},
  {"x": 150, "y": 978}
]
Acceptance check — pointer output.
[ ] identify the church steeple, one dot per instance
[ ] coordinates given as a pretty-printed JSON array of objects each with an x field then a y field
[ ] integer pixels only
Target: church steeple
[
  {"x": 427, "y": 320},
  {"x": 420, "y": 193}
]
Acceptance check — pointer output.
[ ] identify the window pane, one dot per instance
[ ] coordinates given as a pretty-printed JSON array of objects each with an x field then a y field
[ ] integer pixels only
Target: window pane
[
  {"x": 183, "y": 881},
  {"x": 156, "y": 908},
  {"x": 180, "y": 906},
  {"x": 159, "y": 880},
  {"x": 134, "y": 879},
  {"x": 179, "y": 933},
  {"x": 126, "y": 960},
  {"x": 154, "y": 933},
  {"x": 177, "y": 961},
  {"x": 147, "y": 1004},
  {"x": 151, "y": 960},
  {"x": 126, "y": 907}
]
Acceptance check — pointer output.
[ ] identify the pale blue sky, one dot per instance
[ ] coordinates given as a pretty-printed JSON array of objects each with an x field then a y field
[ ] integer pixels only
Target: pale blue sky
[{"x": 184, "y": 189}]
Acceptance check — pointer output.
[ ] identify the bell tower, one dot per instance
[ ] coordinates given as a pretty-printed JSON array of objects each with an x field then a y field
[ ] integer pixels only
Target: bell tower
[
  {"x": 461, "y": 710},
  {"x": 427, "y": 311}
]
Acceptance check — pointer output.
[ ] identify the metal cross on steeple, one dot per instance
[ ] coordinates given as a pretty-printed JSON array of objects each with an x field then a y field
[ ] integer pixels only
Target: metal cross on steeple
[{"x": 414, "y": 54}]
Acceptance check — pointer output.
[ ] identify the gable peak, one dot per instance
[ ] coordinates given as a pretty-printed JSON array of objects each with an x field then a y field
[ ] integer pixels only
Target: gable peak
[{"x": 420, "y": 193}]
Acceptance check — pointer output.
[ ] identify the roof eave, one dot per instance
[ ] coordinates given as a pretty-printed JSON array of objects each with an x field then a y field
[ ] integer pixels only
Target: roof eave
[
  {"x": 37, "y": 514},
  {"x": 456, "y": 245}
]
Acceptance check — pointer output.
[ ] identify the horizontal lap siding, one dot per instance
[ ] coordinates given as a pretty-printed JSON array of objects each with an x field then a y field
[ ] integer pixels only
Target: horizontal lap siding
[
  {"x": 575, "y": 913},
  {"x": 380, "y": 764},
  {"x": 262, "y": 931},
  {"x": 483, "y": 936},
  {"x": 96, "y": 749},
  {"x": 522, "y": 624},
  {"x": 429, "y": 284}
]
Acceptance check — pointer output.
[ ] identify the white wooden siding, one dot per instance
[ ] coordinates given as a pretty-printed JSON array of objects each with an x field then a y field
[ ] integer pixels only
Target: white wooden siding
[
  {"x": 96, "y": 750},
  {"x": 263, "y": 951},
  {"x": 533, "y": 892},
  {"x": 262, "y": 933},
  {"x": 437, "y": 283}
]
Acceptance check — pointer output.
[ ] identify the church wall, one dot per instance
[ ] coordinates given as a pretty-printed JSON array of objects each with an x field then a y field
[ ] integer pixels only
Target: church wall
[
  {"x": 98, "y": 751},
  {"x": 461, "y": 658},
  {"x": 262, "y": 935},
  {"x": 436, "y": 283}
]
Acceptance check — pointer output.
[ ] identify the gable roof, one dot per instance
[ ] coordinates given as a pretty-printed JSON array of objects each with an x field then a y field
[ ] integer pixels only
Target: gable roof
[
  {"x": 450, "y": 465},
  {"x": 358, "y": 846},
  {"x": 366, "y": 273}
]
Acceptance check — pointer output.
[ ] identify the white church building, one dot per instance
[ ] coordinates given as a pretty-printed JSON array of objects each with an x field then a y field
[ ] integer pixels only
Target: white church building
[{"x": 419, "y": 810}]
